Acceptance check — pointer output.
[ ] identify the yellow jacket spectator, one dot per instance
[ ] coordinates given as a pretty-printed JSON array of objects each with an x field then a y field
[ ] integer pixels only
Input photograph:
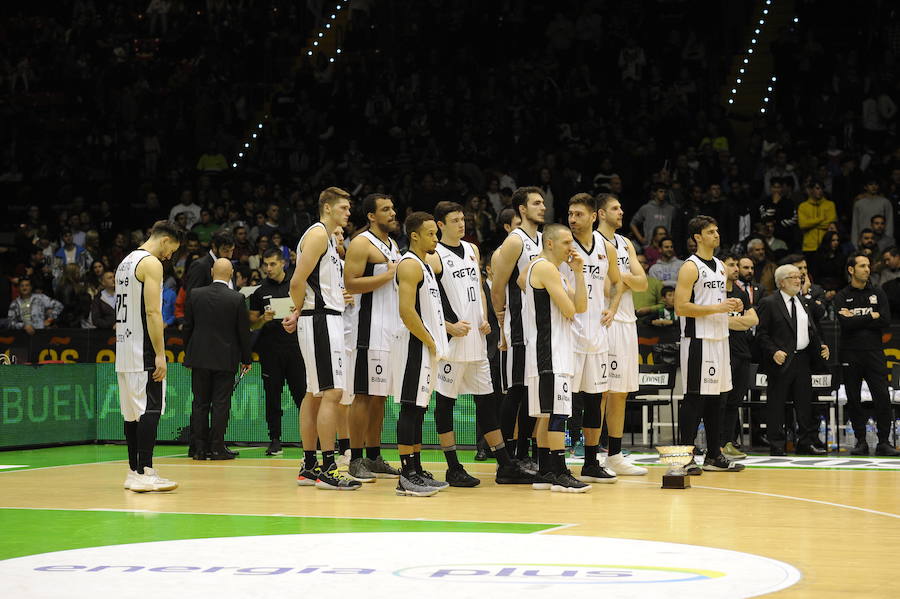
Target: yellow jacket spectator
[{"x": 813, "y": 217}]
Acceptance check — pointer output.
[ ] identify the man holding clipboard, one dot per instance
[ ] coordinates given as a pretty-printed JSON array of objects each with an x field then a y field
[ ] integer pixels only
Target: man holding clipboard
[{"x": 279, "y": 351}]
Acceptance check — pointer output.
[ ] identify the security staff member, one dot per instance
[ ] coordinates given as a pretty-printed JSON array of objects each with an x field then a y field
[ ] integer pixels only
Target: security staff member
[
  {"x": 279, "y": 351},
  {"x": 863, "y": 314}
]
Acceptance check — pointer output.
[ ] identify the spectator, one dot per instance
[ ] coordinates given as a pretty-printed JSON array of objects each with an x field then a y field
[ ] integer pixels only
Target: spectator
[
  {"x": 186, "y": 204},
  {"x": 664, "y": 320},
  {"x": 866, "y": 244},
  {"x": 890, "y": 266},
  {"x": 31, "y": 312},
  {"x": 38, "y": 270},
  {"x": 212, "y": 161},
  {"x": 653, "y": 251},
  {"x": 814, "y": 215},
  {"x": 648, "y": 301},
  {"x": 779, "y": 171},
  {"x": 74, "y": 297},
  {"x": 242, "y": 247},
  {"x": 868, "y": 204},
  {"x": 285, "y": 251},
  {"x": 780, "y": 208},
  {"x": 745, "y": 281},
  {"x": 270, "y": 223},
  {"x": 205, "y": 227},
  {"x": 879, "y": 226},
  {"x": 169, "y": 298},
  {"x": 70, "y": 253},
  {"x": 103, "y": 306},
  {"x": 666, "y": 268},
  {"x": 763, "y": 266},
  {"x": 655, "y": 213},
  {"x": 827, "y": 263},
  {"x": 93, "y": 279},
  {"x": 262, "y": 244},
  {"x": 777, "y": 246}
]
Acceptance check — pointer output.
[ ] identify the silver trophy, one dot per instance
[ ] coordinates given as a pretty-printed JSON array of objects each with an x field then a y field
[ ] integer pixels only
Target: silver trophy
[{"x": 677, "y": 457}]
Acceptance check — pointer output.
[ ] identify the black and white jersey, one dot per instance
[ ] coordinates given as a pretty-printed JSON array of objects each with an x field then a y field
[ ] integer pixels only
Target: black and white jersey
[
  {"x": 625, "y": 313},
  {"x": 428, "y": 307},
  {"x": 324, "y": 287},
  {"x": 351, "y": 313},
  {"x": 134, "y": 350},
  {"x": 379, "y": 313},
  {"x": 550, "y": 337},
  {"x": 512, "y": 323},
  {"x": 708, "y": 289},
  {"x": 590, "y": 336},
  {"x": 460, "y": 285}
]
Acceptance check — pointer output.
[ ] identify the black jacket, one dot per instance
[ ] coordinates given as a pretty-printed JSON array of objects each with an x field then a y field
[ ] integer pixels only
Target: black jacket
[
  {"x": 216, "y": 329},
  {"x": 102, "y": 314},
  {"x": 861, "y": 332},
  {"x": 199, "y": 274},
  {"x": 776, "y": 331}
]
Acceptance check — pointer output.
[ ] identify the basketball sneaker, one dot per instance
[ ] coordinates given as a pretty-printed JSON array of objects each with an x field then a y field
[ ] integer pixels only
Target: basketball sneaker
[
  {"x": 151, "y": 481},
  {"x": 566, "y": 483},
  {"x": 358, "y": 471},
  {"x": 307, "y": 476},
  {"x": 380, "y": 468},
  {"x": 543, "y": 482},
  {"x": 595, "y": 473},
  {"x": 274, "y": 447},
  {"x": 129, "y": 479},
  {"x": 692, "y": 468},
  {"x": 528, "y": 465},
  {"x": 733, "y": 453},
  {"x": 458, "y": 477},
  {"x": 431, "y": 481},
  {"x": 622, "y": 467},
  {"x": 721, "y": 464},
  {"x": 513, "y": 475},
  {"x": 414, "y": 486},
  {"x": 342, "y": 460},
  {"x": 333, "y": 480}
]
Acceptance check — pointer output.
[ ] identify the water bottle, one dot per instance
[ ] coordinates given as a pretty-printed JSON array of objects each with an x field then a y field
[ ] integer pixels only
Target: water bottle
[
  {"x": 831, "y": 442},
  {"x": 823, "y": 430},
  {"x": 568, "y": 438},
  {"x": 701, "y": 437},
  {"x": 897, "y": 433},
  {"x": 849, "y": 435},
  {"x": 871, "y": 435}
]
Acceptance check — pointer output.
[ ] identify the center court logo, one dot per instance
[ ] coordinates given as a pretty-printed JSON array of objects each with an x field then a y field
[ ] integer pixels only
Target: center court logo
[{"x": 555, "y": 574}]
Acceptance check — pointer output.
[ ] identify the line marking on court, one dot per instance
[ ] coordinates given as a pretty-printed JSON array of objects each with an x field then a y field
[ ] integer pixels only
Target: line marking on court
[
  {"x": 25, "y": 468},
  {"x": 779, "y": 496},
  {"x": 554, "y": 529}
]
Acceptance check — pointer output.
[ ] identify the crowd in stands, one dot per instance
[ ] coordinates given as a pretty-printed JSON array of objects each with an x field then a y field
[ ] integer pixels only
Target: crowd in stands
[{"x": 132, "y": 114}]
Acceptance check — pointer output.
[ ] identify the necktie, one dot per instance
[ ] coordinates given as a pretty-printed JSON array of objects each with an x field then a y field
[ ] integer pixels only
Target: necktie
[{"x": 794, "y": 311}]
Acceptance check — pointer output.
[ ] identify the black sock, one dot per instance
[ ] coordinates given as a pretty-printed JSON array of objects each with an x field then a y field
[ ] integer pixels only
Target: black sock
[
  {"x": 417, "y": 459},
  {"x": 590, "y": 455},
  {"x": 534, "y": 447},
  {"x": 615, "y": 445},
  {"x": 543, "y": 460},
  {"x": 343, "y": 445},
  {"x": 146, "y": 440},
  {"x": 309, "y": 459},
  {"x": 558, "y": 461},
  {"x": 356, "y": 453},
  {"x": 131, "y": 438},
  {"x": 373, "y": 453},
  {"x": 327, "y": 460},
  {"x": 450, "y": 455},
  {"x": 502, "y": 455},
  {"x": 407, "y": 463}
]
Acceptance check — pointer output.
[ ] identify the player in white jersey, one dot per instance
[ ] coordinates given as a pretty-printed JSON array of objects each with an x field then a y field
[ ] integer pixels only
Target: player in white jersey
[
  {"x": 419, "y": 344},
  {"x": 351, "y": 308},
  {"x": 141, "y": 352},
  {"x": 371, "y": 265},
  {"x": 702, "y": 303},
  {"x": 591, "y": 330},
  {"x": 623, "y": 345},
  {"x": 510, "y": 260},
  {"x": 318, "y": 296},
  {"x": 548, "y": 308},
  {"x": 465, "y": 370}
]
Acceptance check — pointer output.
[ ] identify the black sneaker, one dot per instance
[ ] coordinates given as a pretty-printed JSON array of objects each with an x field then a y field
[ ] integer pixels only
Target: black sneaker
[
  {"x": 458, "y": 477},
  {"x": 595, "y": 473},
  {"x": 528, "y": 465},
  {"x": 380, "y": 468},
  {"x": 886, "y": 449},
  {"x": 543, "y": 482},
  {"x": 333, "y": 480},
  {"x": 862, "y": 448},
  {"x": 431, "y": 481},
  {"x": 692, "y": 468},
  {"x": 513, "y": 475},
  {"x": 721, "y": 464},
  {"x": 274, "y": 447},
  {"x": 307, "y": 476},
  {"x": 414, "y": 485},
  {"x": 566, "y": 483}
]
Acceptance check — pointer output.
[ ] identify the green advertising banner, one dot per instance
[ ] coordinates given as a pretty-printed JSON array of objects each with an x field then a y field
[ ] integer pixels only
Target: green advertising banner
[{"x": 66, "y": 403}]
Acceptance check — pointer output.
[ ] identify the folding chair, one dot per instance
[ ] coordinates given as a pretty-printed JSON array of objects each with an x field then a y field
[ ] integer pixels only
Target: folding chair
[{"x": 654, "y": 379}]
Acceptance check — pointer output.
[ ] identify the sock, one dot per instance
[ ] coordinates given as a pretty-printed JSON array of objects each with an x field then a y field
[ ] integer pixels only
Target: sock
[
  {"x": 543, "y": 460},
  {"x": 417, "y": 460},
  {"x": 502, "y": 455},
  {"x": 146, "y": 439},
  {"x": 343, "y": 445},
  {"x": 356, "y": 453},
  {"x": 373, "y": 453},
  {"x": 450, "y": 455},
  {"x": 534, "y": 447},
  {"x": 407, "y": 464},
  {"x": 557, "y": 461},
  {"x": 131, "y": 438},
  {"x": 309, "y": 459},
  {"x": 327, "y": 460},
  {"x": 590, "y": 455},
  {"x": 615, "y": 445}
]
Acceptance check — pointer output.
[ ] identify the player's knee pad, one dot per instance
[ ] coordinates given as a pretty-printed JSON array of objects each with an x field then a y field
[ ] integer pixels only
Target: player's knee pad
[
  {"x": 407, "y": 422},
  {"x": 591, "y": 411},
  {"x": 486, "y": 413},
  {"x": 557, "y": 423},
  {"x": 443, "y": 414}
]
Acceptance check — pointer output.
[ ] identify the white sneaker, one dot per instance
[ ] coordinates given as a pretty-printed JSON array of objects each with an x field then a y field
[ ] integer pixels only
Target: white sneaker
[
  {"x": 151, "y": 481},
  {"x": 343, "y": 460},
  {"x": 129, "y": 480},
  {"x": 622, "y": 467}
]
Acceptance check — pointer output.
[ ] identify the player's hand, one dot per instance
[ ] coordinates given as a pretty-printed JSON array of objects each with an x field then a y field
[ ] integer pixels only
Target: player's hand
[
  {"x": 348, "y": 299},
  {"x": 875, "y": 315},
  {"x": 245, "y": 368},
  {"x": 779, "y": 357},
  {"x": 269, "y": 314},
  {"x": 575, "y": 260},
  {"x": 825, "y": 351},
  {"x": 289, "y": 322},
  {"x": 845, "y": 312},
  {"x": 485, "y": 328},
  {"x": 392, "y": 268},
  {"x": 160, "y": 366},
  {"x": 501, "y": 341},
  {"x": 458, "y": 329},
  {"x": 431, "y": 345},
  {"x": 733, "y": 304},
  {"x": 606, "y": 317}
]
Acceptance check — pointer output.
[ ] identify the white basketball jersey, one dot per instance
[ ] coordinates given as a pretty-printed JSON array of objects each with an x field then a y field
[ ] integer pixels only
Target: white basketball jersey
[
  {"x": 134, "y": 350},
  {"x": 591, "y": 337},
  {"x": 709, "y": 289},
  {"x": 625, "y": 313},
  {"x": 512, "y": 323},
  {"x": 379, "y": 312},
  {"x": 460, "y": 284},
  {"x": 324, "y": 287},
  {"x": 428, "y": 307},
  {"x": 351, "y": 312},
  {"x": 550, "y": 344}
]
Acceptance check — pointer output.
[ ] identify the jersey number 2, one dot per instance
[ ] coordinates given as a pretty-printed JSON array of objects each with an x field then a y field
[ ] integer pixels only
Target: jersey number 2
[{"x": 121, "y": 307}]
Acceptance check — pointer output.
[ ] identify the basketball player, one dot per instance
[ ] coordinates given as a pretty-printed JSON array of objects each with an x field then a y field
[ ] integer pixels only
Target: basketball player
[
  {"x": 419, "y": 343},
  {"x": 547, "y": 312},
  {"x": 318, "y": 318},
  {"x": 591, "y": 329},
  {"x": 351, "y": 309},
  {"x": 702, "y": 303},
  {"x": 141, "y": 354},
  {"x": 456, "y": 264},
  {"x": 369, "y": 272},
  {"x": 510, "y": 260},
  {"x": 623, "y": 345}
]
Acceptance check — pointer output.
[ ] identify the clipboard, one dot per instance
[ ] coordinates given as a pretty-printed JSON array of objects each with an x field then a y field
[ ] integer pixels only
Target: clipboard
[{"x": 282, "y": 306}]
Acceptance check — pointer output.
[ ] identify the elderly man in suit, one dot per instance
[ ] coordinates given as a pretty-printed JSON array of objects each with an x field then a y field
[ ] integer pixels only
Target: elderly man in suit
[
  {"x": 217, "y": 333},
  {"x": 790, "y": 350}
]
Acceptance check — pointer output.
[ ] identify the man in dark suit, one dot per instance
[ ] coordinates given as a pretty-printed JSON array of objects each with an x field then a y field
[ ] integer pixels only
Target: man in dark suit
[
  {"x": 217, "y": 333},
  {"x": 790, "y": 350},
  {"x": 199, "y": 272}
]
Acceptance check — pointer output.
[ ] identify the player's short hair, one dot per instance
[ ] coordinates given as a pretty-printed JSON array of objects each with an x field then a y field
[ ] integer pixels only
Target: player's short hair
[
  {"x": 604, "y": 199},
  {"x": 442, "y": 209},
  {"x": 164, "y": 228},
  {"x": 370, "y": 202},
  {"x": 552, "y": 232},
  {"x": 331, "y": 196},
  {"x": 414, "y": 222},
  {"x": 520, "y": 197},
  {"x": 698, "y": 223},
  {"x": 851, "y": 259},
  {"x": 584, "y": 199},
  {"x": 273, "y": 253}
]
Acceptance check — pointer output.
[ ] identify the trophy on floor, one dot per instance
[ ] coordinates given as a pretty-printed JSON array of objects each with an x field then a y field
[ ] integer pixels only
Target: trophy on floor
[{"x": 677, "y": 456}]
